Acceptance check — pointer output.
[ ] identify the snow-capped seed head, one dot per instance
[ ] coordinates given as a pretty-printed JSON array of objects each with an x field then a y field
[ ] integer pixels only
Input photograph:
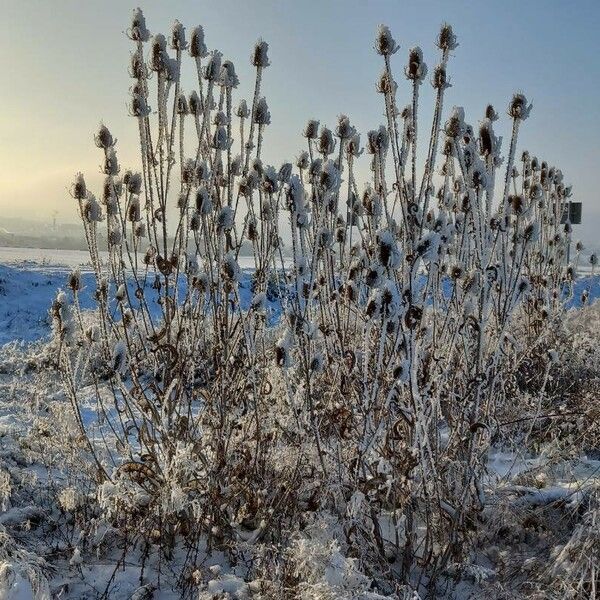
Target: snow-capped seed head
[
  {"x": 78, "y": 188},
  {"x": 446, "y": 39},
  {"x": 387, "y": 250},
  {"x": 74, "y": 281},
  {"x": 536, "y": 191},
  {"x": 311, "y": 130},
  {"x": 270, "y": 180},
  {"x": 261, "y": 115},
  {"x": 344, "y": 130},
  {"x": 137, "y": 30},
  {"x": 229, "y": 79},
  {"x": 197, "y": 47},
  {"x": 194, "y": 104},
  {"x": 212, "y": 70},
  {"x": 593, "y": 259},
  {"x": 133, "y": 211},
  {"x": 386, "y": 84},
  {"x": 236, "y": 166},
  {"x": 478, "y": 178},
  {"x": 242, "y": 110},
  {"x": 171, "y": 69},
  {"x": 114, "y": 237},
  {"x": 384, "y": 42},
  {"x": 518, "y": 107},
  {"x": 220, "y": 119},
  {"x": 220, "y": 139},
  {"x": 487, "y": 140},
  {"x": 259, "y": 56},
  {"x": 285, "y": 172},
  {"x": 225, "y": 219},
  {"x": 138, "y": 107},
  {"x": 204, "y": 204},
  {"x": 158, "y": 53},
  {"x": 324, "y": 238},
  {"x": 111, "y": 164},
  {"x": 202, "y": 171},
  {"x": 134, "y": 183},
  {"x": 416, "y": 69},
  {"x": 326, "y": 144},
  {"x": 103, "y": 138},
  {"x": 177, "y": 38},
  {"x": 195, "y": 221},
  {"x": 377, "y": 140},
  {"x": 353, "y": 147},
  {"x": 136, "y": 66},
  {"x": 139, "y": 230},
  {"x": 92, "y": 213},
  {"x": 455, "y": 125},
  {"x": 182, "y": 105},
  {"x": 230, "y": 268},
  {"x": 490, "y": 113},
  {"x": 303, "y": 161},
  {"x": 188, "y": 171},
  {"x": 439, "y": 79}
]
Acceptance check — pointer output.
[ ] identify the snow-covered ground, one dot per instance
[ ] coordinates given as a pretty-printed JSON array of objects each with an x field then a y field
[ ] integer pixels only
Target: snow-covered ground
[
  {"x": 31, "y": 277},
  {"x": 523, "y": 486}
]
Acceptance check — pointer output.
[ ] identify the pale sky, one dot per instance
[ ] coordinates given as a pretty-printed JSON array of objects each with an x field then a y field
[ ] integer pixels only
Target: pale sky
[{"x": 64, "y": 66}]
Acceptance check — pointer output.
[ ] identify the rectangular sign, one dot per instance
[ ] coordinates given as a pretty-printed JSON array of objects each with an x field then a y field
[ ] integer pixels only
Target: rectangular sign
[{"x": 573, "y": 211}]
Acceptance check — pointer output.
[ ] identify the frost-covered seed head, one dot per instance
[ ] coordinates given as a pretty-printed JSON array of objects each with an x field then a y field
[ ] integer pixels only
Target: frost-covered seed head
[
  {"x": 197, "y": 47},
  {"x": 242, "y": 110},
  {"x": 229, "y": 79},
  {"x": 344, "y": 130},
  {"x": 446, "y": 39},
  {"x": 261, "y": 115},
  {"x": 103, "y": 138},
  {"x": 518, "y": 107},
  {"x": 78, "y": 188},
  {"x": 416, "y": 69},
  {"x": 177, "y": 38},
  {"x": 137, "y": 30},
  {"x": 311, "y": 130},
  {"x": 384, "y": 42},
  {"x": 212, "y": 71},
  {"x": 182, "y": 105},
  {"x": 326, "y": 143},
  {"x": 259, "y": 56}
]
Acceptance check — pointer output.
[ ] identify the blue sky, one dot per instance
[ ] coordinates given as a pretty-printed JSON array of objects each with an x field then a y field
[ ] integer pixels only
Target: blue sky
[{"x": 65, "y": 69}]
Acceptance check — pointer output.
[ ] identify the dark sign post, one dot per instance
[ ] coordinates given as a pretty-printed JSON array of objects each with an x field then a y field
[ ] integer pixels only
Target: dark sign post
[{"x": 572, "y": 215}]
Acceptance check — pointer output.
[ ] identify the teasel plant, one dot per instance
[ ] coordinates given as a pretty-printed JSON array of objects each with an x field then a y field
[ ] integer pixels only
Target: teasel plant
[{"x": 374, "y": 396}]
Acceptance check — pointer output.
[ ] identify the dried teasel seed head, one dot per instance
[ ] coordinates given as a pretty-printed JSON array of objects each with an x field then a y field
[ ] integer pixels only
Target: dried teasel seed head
[
  {"x": 518, "y": 107},
  {"x": 446, "y": 39},
  {"x": 261, "y": 115},
  {"x": 384, "y": 42},
  {"x": 311, "y": 131},
  {"x": 78, "y": 188},
  {"x": 103, "y": 138},
  {"x": 197, "y": 47},
  {"x": 177, "y": 37},
  {"x": 259, "y": 56},
  {"x": 416, "y": 69},
  {"x": 137, "y": 31}
]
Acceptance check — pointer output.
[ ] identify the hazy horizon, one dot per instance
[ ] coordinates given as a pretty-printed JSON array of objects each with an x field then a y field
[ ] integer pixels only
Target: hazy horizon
[{"x": 67, "y": 66}]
